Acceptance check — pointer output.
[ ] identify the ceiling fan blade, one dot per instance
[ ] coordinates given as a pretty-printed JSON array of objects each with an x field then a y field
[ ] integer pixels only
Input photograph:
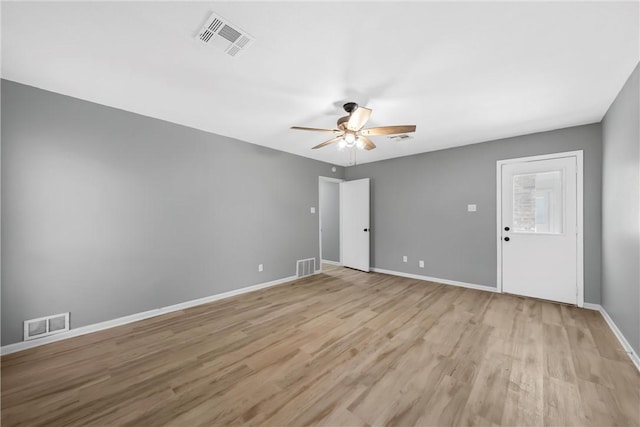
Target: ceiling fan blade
[
  {"x": 358, "y": 118},
  {"x": 368, "y": 144},
  {"x": 316, "y": 129},
  {"x": 388, "y": 130},
  {"x": 331, "y": 141}
]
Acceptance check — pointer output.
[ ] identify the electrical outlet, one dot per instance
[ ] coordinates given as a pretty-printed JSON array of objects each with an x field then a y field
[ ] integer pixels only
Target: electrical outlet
[
  {"x": 313, "y": 210},
  {"x": 404, "y": 258},
  {"x": 260, "y": 267},
  {"x": 421, "y": 263}
]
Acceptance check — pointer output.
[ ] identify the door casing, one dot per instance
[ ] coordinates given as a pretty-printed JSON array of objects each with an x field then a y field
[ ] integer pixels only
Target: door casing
[
  {"x": 579, "y": 212},
  {"x": 336, "y": 181}
]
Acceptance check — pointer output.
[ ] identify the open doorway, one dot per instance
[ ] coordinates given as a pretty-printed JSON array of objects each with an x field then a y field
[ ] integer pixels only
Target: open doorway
[{"x": 330, "y": 221}]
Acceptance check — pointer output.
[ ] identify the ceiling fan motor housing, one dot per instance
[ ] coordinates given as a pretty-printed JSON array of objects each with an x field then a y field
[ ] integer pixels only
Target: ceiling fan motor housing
[{"x": 349, "y": 107}]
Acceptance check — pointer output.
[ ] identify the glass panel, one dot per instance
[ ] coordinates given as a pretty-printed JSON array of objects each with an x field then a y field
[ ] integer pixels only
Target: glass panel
[
  {"x": 537, "y": 203},
  {"x": 37, "y": 328}
]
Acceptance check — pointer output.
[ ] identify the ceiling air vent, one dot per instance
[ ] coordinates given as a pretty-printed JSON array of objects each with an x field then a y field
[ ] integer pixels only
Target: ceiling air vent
[
  {"x": 223, "y": 35},
  {"x": 400, "y": 137}
]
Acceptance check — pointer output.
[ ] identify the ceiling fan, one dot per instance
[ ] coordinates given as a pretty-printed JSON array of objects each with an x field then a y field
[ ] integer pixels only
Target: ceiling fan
[{"x": 350, "y": 133}]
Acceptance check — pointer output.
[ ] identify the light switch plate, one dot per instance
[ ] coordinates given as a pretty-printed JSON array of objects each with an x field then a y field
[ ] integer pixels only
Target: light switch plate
[
  {"x": 472, "y": 208},
  {"x": 260, "y": 267},
  {"x": 313, "y": 210}
]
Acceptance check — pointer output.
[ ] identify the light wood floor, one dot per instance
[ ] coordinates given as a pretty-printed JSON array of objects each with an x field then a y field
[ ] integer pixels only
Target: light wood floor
[{"x": 340, "y": 348}]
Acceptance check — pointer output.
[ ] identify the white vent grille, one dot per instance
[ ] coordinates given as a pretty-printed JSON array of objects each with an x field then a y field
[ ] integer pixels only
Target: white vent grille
[
  {"x": 224, "y": 35},
  {"x": 306, "y": 267},
  {"x": 45, "y": 326},
  {"x": 400, "y": 137}
]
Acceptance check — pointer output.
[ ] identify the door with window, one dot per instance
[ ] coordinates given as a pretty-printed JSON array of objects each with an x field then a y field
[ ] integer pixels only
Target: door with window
[{"x": 539, "y": 229}]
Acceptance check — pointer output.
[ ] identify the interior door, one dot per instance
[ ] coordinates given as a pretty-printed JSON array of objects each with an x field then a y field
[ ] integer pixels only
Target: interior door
[
  {"x": 355, "y": 223},
  {"x": 539, "y": 227}
]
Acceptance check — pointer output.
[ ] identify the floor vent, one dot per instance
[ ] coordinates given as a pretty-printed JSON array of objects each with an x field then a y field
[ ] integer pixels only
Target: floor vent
[
  {"x": 45, "y": 326},
  {"x": 306, "y": 267},
  {"x": 222, "y": 34}
]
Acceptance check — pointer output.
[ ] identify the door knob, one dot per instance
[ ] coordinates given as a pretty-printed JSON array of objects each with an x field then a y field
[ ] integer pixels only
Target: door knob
[
  {"x": 366, "y": 229},
  {"x": 506, "y": 229},
  {"x": 506, "y": 239}
]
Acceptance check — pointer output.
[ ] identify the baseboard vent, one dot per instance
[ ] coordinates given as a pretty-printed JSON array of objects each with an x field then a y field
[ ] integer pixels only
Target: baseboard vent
[
  {"x": 45, "y": 326},
  {"x": 306, "y": 267}
]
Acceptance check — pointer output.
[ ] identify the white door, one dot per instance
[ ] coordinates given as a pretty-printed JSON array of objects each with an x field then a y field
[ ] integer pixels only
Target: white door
[
  {"x": 355, "y": 223},
  {"x": 539, "y": 229}
]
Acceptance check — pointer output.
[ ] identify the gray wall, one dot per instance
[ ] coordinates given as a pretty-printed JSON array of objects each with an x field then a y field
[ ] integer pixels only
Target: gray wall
[
  {"x": 330, "y": 218},
  {"x": 620, "y": 211},
  {"x": 419, "y": 206},
  {"x": 106, "y": 213}
]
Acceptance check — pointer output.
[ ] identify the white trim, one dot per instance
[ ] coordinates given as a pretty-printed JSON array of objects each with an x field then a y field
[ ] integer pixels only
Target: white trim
[
  {"x": 83, "y": 330},
  {"x": 340, "y": 219},
  {"x": 549, "y": 156},
  {"x": 579, "y": 215},
  {"x": 436, "y": 280},
  {"x": 589, "y": 306},
  {"x": 326, "y": 261},
  {"x": 337, "y": 181},
  {"x": 499, "y": 225},
  {"x": 580, "y": 226},
  {"x": 614, "y": 328}
]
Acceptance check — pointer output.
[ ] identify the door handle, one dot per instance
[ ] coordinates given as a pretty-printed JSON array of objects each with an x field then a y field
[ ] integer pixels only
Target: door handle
[
  {"x": 506, "y": 229},
  {"x": 506, "y": 239},
  {"x": 366, "y": 229}
]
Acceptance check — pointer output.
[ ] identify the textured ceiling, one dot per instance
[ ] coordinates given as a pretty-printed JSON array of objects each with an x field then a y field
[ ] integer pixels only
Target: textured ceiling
[{"x": 462, "y": 72}]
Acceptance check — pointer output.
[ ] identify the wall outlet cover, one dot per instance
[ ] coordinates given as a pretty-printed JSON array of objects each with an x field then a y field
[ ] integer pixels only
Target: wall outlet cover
[
  {"x": 404, "y": 258},
  {"x": 472, "y": 208}
]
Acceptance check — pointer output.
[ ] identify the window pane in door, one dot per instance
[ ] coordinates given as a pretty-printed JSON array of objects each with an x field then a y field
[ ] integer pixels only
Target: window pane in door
[{"x": 537, "y": 203}]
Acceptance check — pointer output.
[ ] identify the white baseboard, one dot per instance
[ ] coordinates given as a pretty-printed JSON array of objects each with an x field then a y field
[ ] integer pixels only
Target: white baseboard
[
  {"x": 589, "y": 306},
  {"x": 435, "y": 279},
  {"x": 623, "y": 341},
  {"x": 326, "y": 261},
  {"x": 82, "y": 330},
  {"x": 614, "y": 328}
]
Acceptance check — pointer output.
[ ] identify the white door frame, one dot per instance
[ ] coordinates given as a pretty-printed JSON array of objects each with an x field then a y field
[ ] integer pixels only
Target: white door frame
[
  {"x": 338, "y": 181},
  {"x": 579, "y": 220}
]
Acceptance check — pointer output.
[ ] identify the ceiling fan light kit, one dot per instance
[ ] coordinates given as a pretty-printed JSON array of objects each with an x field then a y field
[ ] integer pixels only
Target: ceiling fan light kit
[{"x": 350, "y": 129}]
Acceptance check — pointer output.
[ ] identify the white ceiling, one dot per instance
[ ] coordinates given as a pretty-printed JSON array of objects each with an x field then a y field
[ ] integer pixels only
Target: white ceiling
[{"x": 462, "y": 72}]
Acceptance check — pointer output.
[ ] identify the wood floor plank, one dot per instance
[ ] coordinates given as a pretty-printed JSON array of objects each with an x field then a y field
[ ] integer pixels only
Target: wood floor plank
[
  {"x": 489, "y": 389},
  {"x": 342, "y": 348},
  {"x": 524, "y": 400}
]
